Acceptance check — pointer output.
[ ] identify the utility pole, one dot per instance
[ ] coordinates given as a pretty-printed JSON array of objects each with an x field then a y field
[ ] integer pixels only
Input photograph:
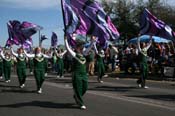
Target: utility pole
[{"x": 39, "y": 38}]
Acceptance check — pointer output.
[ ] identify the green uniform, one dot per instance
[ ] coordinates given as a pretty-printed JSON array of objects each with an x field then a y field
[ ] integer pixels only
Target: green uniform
[
  {"x": 21, "y": 69},
  {"x": 143, "y": 69},
  {"x": 46, "y": 65},
  {"x": 100, "y": 66},
  {"x": 143, "y": 63},
  {"x": 31, "y": 64},
  {"x": 39, "y": 70},
  {"x": 7, "y": 68},
  {"x": 79, "y": 79},
  {"x": 1, "y": 67},
  {"x": 60, "y": 65}
]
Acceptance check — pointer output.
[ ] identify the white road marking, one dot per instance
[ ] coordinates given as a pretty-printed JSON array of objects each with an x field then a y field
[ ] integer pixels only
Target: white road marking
[{"x": 117, "y": 96}]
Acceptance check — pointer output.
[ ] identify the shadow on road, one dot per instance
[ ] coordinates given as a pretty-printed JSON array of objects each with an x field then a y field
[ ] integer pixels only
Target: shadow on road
[
  {"x": 8, "y": 86},
  {"x": 42, "y": 104},
  {"x": 17, "y": 91},
  {"x": 157, "y": 97},
  {"x": 109, "y": 88}
]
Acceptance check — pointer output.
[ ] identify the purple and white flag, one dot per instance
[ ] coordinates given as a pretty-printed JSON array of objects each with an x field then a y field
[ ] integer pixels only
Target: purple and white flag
[
  {"x": 20, "y": 33},
  {"x": 90, "y": 19},
  {"x": 149, "y": 24},
  {"x": 28, "y": 29}
]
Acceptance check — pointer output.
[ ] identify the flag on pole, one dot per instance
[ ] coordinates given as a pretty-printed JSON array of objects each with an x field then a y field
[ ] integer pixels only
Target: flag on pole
[
  {"x": 43, "y": 37},
  {"x": 89, "y": 19},
  {"x": 150, "y": 24},
  {"x": 54, "y": 39},
  {"x": 28, "y": 29},
  {"x": 95, "y": 11},
  {"x": 20, "y": 33}
]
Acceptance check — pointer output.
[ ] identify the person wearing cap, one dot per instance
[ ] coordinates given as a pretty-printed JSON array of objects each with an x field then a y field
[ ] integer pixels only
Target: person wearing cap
[
  {"x": 39, "y": 67},
  {"x": 7, "y": 63},
  {"x": 79, "y": 77},
  {"x": 143, "y": 48},
  {"x": 21, "y": 66}
]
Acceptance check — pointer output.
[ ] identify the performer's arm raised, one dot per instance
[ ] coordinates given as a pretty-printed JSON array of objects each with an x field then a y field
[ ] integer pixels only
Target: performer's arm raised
[
  {"x": 15, "y": 54},
  {"x": 64, "y": 53},
  {"x": 68, "y": 48},
  {"x": 138, "y": 44},
  {"x": 2, "y": 54},
  {"x": 29, "y": 55},
  {"x": 150, "y": 43}
]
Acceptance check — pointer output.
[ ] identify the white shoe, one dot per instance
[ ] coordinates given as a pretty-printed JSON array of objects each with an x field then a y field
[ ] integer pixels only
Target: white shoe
[
  {"x": 45, "y": 75},
  {"x": 31, "y": 73},
  {"x": 105, "y": 76},
  {"x": 145, "y": 87},
  {"x": 101, "y": 81},
  {"x": 1, "y": 77},
  {"x": 139, "y": 85},
  {"x": 22, "y": 86},
  {"x": 58, "y": 76},
  {"x": 39, "y": 91},
  {"x": 83, "y": 107},
  {"x": 7, "y": 81}
]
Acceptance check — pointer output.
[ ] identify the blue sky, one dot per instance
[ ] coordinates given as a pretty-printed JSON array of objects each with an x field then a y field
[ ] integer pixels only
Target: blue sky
[{"x": 46, "y": 13}]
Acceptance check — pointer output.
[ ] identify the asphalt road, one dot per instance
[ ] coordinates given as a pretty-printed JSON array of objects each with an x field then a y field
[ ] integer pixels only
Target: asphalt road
[{"x": 114, "y": 97}]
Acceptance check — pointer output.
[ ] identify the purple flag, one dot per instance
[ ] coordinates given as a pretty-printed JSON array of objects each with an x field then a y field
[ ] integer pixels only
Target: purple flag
[
  {"x": 20, "y": 33},
  {"x": 89, "y": 24},
  {"x": 149, "y": 24},
  {"x": 94, "y": 10},
  {"x": 92, "y": 20},
  {"x": 54, "y": 39},
  {"x": 43, "y": 37},
  {"x": 29, "y": 29}
]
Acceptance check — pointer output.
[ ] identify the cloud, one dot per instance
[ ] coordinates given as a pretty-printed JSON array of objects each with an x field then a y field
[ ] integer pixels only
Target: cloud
[{"x": 30, "y": 4}]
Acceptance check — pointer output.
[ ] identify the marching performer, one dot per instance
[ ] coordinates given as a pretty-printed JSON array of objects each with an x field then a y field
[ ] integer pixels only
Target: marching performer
[
  {"x": 79, "y": 79},
  {"x": 143, "y": 62},
  {"x": 100, "y": 63},
  {"x": 7, "y": 59},
  {"x": 60, "y": 53},
  {"x": 21, "y": 66},
  {"x": 1, "y": 66},
  {"x": 39, "y": 67}
]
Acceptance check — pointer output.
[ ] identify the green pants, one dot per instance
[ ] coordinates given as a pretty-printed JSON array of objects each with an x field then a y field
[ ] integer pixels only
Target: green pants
[
  {"x": 7, "y": 72},
  {"x": 1, "y": 68},
  {"x": 31, "y": 65},
  {"x": 100, "y": 70},
  {"x": 39, "y": 77},
  {"x": 80, "y": 86},
  {"x": 46, "y": 65},
  {"x": 144, "y": 74},
  {"x": 60, "y": 67},
  {"x": 21, "y": 72}
]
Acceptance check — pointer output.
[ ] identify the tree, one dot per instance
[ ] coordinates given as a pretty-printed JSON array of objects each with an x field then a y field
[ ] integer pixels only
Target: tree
[{"x": 126, "y": 14}]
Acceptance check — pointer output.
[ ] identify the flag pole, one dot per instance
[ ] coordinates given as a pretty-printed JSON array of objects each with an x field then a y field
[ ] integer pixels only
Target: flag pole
[
  {"x": 63, "y": 17},
  {"x": 39, "y": 38}
]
